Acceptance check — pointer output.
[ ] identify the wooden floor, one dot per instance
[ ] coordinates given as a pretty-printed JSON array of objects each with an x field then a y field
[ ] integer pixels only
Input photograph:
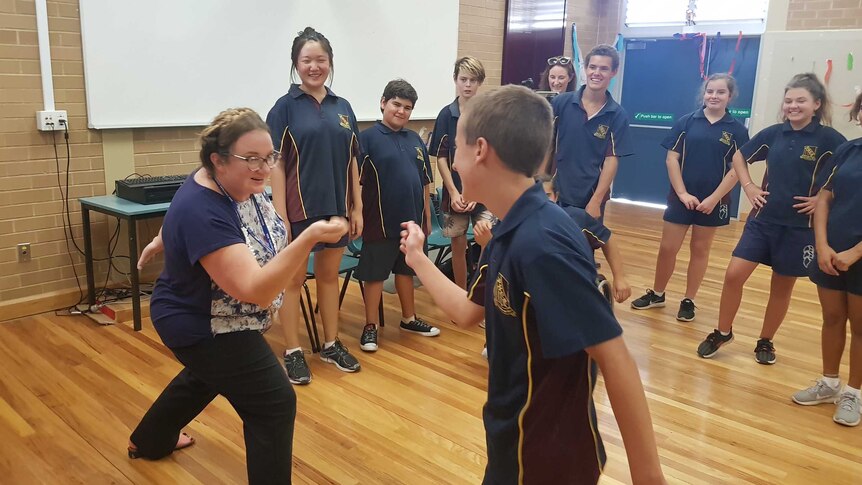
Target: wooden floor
[{"x": 71, "y": 391}]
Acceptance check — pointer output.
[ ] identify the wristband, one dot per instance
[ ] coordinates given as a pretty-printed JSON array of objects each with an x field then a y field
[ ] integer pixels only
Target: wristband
[{"x": 746, "y": 185}]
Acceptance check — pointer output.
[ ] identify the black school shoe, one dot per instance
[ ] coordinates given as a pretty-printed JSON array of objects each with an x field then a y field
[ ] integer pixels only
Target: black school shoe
[
  {"x": 337, "y": 354},
  {"x": 686, "y": 310},
  {"x": 368, "y": 340},
  {"x": 419, "y": 327},
  {"x": 712, "y": 343},
  {"x": 649, "y": 300},
  {"x": 297, "y": 368},
  {"x": 764, "y": 352}
]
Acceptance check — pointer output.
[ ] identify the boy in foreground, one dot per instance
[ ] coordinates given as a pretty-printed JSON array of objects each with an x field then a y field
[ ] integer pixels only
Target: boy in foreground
[{"x": 547, "y": 325}]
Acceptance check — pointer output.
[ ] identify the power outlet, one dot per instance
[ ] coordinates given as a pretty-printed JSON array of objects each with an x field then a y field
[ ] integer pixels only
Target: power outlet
[
  {"x": 24, "y": 252},
  {"x": 52, "y": 120}
]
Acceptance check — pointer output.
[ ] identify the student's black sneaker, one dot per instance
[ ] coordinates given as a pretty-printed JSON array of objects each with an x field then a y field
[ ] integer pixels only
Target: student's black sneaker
[
  {"x": 418, "y": 326},
  {"x": 712, "y": 343},
  {"x": 368, "y": 340},
  {"x": 686, "y": 310},
  {"x": 649, "y": 300},
  {"x": 337, "y": 354},
  {"x": 764, "y": 352},
  {"x": 297, "y": 368}
]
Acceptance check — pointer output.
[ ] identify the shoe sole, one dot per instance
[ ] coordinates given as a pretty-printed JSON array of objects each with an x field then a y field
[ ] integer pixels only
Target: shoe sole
[
  {"x": 369, "y": 348},
  {"x": 846, "y": 423},
  {"x": 709, "y": 356},
  {"x": 299, "y": 383},
  {"x": 825, "y": 400},
  {"x": 342, "y": 369},
  {"x": 651, "y": 305},
  {"x": 766, "y": 362},
  {"x": 432, "y": 333},
  {"x": 682, "y": 319}
]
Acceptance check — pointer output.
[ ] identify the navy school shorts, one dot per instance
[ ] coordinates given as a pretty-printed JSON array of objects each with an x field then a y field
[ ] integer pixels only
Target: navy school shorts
[
  {"x": 677, "y": 213},
  {"x": 789, "y": 250},
  {"x": 296, "y": 229},
  {"x": 380, "y": 258},
  {"x": 849, "y": 281}
]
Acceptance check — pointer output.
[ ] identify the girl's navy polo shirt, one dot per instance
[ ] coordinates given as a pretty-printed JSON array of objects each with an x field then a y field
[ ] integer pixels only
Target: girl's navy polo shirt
[
  {"x": 844, "y": 228},
  {"x": 706, "y": 150},
  {"x": 318, "y": 142},
  {"x": 394, "y": 172},
  {"x": 797, "y": 164}
]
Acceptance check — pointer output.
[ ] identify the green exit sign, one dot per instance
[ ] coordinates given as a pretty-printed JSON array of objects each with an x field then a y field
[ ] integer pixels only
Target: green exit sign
[
  {"x": 739, "y": 113},
  {"x": 654, "y": 117}
]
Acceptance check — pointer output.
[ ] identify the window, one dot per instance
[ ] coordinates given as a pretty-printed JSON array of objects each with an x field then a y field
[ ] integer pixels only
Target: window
[
  {"x": 647, "y": 13},
  {"x": 712, "y": 11}
]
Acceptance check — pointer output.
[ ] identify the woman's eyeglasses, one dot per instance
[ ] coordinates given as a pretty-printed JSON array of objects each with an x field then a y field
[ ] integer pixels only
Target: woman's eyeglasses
[
  {"x": 561, "y": 60},
  {"x": 256, "y": 163}
]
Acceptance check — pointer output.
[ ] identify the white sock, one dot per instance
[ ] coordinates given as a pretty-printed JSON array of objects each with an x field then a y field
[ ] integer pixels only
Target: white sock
[
  {"x": 326, "y": 345},
  {"x": 725, "y": 334},
  {"x": 658, "y": 294},
  {"x": 290, "y": 351},
  {"x": 855, "y": 392},
  {"x": 833, "y": 382},
  {"x": 408, "y": 319}
]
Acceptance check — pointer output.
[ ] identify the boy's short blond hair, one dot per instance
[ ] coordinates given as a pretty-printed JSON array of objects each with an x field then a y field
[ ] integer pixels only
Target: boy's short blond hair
[
  {"x": 470, "y": 65},
  {"x": 516, "y": 123}
]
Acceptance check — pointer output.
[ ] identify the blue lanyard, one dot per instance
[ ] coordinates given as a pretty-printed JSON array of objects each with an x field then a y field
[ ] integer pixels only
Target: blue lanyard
[{"x": 268, "y": 244}]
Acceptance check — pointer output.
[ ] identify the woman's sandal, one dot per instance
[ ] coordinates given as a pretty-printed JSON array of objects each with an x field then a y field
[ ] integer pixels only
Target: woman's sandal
[{"x": 133, "y": 452}]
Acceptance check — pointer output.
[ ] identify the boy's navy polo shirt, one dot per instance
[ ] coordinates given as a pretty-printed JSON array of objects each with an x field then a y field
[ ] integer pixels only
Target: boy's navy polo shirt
[
  {"x": 443, "y": 145},
  {"x": 597, "y": 234},
  {"x": 536, "y": 280},
  {"x": 317, "y": 142},
  {"x": 797, "y": 163},
  {"x": 581, "y": 145},
  {"x": 706, "y": 151},
  {"x": 844, "y": 227},
  {"x": 395, "y": 170}
]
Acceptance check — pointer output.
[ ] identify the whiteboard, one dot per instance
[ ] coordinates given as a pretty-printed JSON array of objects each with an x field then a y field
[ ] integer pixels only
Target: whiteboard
[
  {"x": 180, "y": 62},
  {"x": 784, "y": 54}
]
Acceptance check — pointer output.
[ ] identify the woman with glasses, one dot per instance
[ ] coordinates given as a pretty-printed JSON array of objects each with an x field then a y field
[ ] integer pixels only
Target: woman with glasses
[
  {"x": 318, "y": 178},
  {"x": 226, "y": 256},
  {"x": 558, "y": 76}
]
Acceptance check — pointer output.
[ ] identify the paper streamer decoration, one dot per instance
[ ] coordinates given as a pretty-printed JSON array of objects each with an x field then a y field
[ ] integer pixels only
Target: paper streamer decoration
[
  {"x": 849, "y": 61},
  {"x": 578, "y": 59},
  {"x": 618, "y": 45},
  {"x": 735, "y": 52},
  {"x": 828, "y": 75}
]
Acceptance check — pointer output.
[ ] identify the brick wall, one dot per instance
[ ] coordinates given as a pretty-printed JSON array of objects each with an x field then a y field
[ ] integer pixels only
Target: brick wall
[
  {"x": 824, "y": 14},
  {"x": 598, "y": 22}
]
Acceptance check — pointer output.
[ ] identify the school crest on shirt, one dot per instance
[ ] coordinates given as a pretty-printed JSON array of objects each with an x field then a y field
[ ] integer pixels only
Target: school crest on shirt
[
  {"x": 602, "y": 132},
  {"x": 501, "y": 296},
  {"x": 419, "y": 154},
  {"x": 809, "y": 153},
  {"x": 725, "y": 138},
  {"x": 344, "y": 121}
]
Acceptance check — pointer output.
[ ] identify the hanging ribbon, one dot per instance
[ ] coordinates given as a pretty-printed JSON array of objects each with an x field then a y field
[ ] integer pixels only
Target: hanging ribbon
[
  {"x": 828, "y": 71},
  {"x": 618, "y": 45},
  {"x": 702, "y": 55},
  {"x": 735, "y": 52},
  {"x": 849, "y": 61},
  {"x": 577, "y": 58}
]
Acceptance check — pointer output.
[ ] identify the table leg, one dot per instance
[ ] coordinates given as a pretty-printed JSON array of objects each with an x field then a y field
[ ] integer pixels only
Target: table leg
[
  {"x": 133, "y": 269},
  {"x": 88, "y": 255}
]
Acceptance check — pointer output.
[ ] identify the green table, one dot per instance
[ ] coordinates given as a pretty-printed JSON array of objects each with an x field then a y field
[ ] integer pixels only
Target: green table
[{"x": 122, "y": 209}]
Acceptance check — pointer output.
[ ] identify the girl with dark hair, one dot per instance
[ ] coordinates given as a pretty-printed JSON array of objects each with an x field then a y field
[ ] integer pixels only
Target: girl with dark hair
[
  {"x": 838, "y": 276},
  {"x": 226, "y": 255},
  {"x": 798, "y": 154},
  {"x": 317, "y": 178},
  {"x": 700, "y": 148}
]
